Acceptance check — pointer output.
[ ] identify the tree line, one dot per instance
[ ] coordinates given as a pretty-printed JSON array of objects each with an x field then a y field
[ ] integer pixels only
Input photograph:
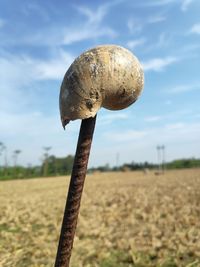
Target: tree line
[
  {"x": 54, "y": 166},
  {"x": 51, "y": 166}
]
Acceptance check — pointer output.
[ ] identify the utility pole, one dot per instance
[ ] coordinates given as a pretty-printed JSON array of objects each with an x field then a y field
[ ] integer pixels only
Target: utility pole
[
  {"x": 1, "y": 153},
  {"x": 117, "y": 161},
  {"x": 46, "y": 160},
  {"x": 163, "y": 158},
  {"x": 5, "y": 161},
  {"x": 159, "y": 159}
]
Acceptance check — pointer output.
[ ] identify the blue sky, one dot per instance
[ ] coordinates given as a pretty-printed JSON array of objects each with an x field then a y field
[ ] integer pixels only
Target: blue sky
[{"x": 40, "y": 39}]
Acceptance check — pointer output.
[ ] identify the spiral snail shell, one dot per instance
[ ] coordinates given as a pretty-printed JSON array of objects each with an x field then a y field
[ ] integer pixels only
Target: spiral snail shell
[{"x": 106, "y": 76}]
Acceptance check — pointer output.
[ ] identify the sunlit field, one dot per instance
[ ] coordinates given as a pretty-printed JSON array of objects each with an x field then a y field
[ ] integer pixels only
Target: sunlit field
[{"x": 126, "y": 219}]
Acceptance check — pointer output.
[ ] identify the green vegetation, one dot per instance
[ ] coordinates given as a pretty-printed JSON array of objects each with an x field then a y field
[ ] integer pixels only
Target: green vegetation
[
  {"x": 53, "y": 166},
  {"x": 134, "y": 166},
  {"x": 184, "y": 163}
]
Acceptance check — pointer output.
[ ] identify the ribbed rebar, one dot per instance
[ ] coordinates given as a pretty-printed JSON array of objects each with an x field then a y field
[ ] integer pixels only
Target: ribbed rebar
[{"x": 74, "y": 193}]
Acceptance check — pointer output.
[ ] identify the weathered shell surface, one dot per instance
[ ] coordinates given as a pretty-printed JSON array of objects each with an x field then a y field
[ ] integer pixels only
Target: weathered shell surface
[{"x": 107, "y": 76}]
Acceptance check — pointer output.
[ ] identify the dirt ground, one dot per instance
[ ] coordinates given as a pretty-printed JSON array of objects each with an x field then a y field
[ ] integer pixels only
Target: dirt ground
[{"x": 126, "y": 219}]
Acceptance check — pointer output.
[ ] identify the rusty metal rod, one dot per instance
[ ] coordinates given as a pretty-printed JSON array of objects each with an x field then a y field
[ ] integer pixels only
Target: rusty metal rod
[{"x": 74, "y": 193}]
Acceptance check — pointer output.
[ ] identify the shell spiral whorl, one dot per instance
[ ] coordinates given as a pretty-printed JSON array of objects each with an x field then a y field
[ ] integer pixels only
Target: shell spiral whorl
[{"x": 106, "y": 76}]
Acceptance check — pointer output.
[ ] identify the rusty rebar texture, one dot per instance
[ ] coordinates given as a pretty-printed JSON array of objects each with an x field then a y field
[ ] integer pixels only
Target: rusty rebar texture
[{"x": 74, "y": 193}]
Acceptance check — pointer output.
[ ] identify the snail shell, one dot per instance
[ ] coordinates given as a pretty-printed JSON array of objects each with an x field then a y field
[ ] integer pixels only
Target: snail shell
[{"x": 106, "y": 76}]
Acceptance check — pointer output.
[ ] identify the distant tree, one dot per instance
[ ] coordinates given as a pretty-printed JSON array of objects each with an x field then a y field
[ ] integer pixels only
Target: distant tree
[
  {"x": 58, "y": 166},
  {"x": 184, "y": 163}
]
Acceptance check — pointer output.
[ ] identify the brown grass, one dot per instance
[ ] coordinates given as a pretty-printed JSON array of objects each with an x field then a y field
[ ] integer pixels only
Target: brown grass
[{"x": 126, "y": 219}]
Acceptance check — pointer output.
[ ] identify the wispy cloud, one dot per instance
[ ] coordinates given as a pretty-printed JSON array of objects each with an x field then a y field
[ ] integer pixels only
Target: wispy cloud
[
  {"x": 141, "y": 145},
  {"x": 106, "y": 119},
  {"x": 134, "y": 25},
  {"x": 98, "y": 14},
  {"x": 129, "y": 135},
  {"x": 164, "y": 40},
  {"x": 20, "y": 74},
  {"x": 26, "y": 69},
  {"x": 195, "y": 28},
  {"x": 158, "y": 64},
  {"x": 20, "y": 121},
  {"x": 185, "y": 5},
  {"x": 93, "y": 16},
  {"x": 93, "y": 27},
  {"x": 132, "y": 44},
  {"x": 2, "y": 23},
  {"x": 38, "y": 130},
  {"x": 89, "y": 27},
  {"x": 156, "y": 19},
  {"x": 152, "y": 118},
  {"x": 183, "y": 88},
  {"x": 168, "y": 133},
  {"x": 85, "y": 33},
  {"x": 158, "y": 3},
  {"x": 175, "y": 126},
  {"x": 31, "y": 8},
  {"x": 53, "y": 69}
]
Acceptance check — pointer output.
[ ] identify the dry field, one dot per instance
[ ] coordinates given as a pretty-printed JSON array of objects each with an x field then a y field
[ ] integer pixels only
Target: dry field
[{"x": 126, "y": 219}]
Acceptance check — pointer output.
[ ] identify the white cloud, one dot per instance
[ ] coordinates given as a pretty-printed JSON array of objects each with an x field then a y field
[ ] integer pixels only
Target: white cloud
[
  {"x": 31, "y": 8},
  {"x": 126, "y": 136},
  {"x": 67, "y": 35},
  {"x": 90, "y": 27},
  {"x": 156, "y": 19},
  {"x": 107, "y": 119},
  {"x": 31, "y": 131},
  {"x": 186, "y": 4},
  {"x": 93, "y": 16},
  {"x": 21, "y": 74},
  {"x": 175, "y": 126},
  {"x": 15, "y": 74},
  {"x": 158, "y": 2},
  {"x": 134, "y": 25},
  {"x": 158, "y": 64},
  {"x": 2, "y": 23},
  {"x": 169, "y": 133},
  {"x": 18, "y": 71},
  {"x": 53, "y": 69},
  {"x": 153, "y": 118},
  {"x": 97, "y": 15},
  {"x": 183, "y": 88},
  {"x": 132, "y": 44},
  {"x": 163, "y": 40},
  {"x": 195, "y": 28},
  {"x": 28, "y": 123},
  {"x": 73, "y": 35}
]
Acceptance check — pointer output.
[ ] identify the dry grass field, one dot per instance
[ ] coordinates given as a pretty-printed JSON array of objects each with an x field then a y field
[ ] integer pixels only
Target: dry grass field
[{"x": 126, "y": 219}]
